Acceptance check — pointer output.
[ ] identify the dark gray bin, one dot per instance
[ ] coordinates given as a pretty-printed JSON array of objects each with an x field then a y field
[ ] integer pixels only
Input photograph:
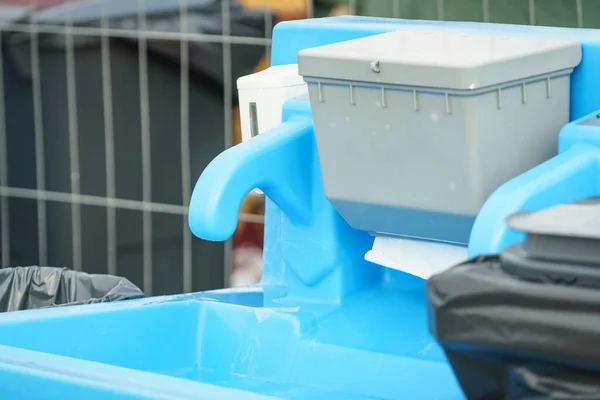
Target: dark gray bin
[{"x": 206, "y": 122}]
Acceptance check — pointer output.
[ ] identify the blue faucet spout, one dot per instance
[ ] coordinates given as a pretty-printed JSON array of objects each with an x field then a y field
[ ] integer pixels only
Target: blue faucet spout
[{"x": 268, "y": 162}]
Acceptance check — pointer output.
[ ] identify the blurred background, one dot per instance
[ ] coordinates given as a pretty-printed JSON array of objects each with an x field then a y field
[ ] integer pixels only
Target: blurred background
[{"x": 111, "y": 109}]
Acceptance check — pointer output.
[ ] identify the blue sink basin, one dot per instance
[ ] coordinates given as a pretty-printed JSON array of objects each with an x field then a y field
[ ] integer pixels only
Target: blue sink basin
[{"x": 225, "y": 344}]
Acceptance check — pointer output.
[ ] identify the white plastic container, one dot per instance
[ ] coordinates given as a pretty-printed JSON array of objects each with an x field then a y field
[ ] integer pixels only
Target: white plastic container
[{"x": 269, "y": 90}]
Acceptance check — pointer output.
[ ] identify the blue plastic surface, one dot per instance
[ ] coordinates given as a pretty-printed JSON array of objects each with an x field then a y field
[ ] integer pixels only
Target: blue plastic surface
[{"x": 323, "y": 323}]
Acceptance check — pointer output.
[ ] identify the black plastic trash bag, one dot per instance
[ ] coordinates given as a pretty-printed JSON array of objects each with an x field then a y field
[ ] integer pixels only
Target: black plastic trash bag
[
  {"x": 26, "y": 288},
  {"x": 525, "y": 324}
]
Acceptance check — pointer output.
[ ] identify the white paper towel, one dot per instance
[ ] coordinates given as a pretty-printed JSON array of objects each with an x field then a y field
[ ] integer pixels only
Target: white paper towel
[{"x": 416, "y": 257}]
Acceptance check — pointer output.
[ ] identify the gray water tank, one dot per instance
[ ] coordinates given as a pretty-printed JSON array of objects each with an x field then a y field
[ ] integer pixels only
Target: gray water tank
[{"x": 415, "y": 129}]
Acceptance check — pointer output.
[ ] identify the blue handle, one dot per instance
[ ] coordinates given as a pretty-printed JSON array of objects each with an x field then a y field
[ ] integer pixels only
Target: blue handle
[
  {"x": 272, "y": 162},
  {"x": 570, "y": 176}
]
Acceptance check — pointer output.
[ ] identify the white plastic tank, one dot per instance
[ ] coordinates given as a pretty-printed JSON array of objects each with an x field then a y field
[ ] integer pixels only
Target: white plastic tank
[{"x": 265, "y": 93}]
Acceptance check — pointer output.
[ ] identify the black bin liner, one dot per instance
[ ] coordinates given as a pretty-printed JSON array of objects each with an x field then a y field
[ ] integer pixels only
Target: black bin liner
[
  {"x": 525, "y": 324},
  {"x": 27, "y": 288}
]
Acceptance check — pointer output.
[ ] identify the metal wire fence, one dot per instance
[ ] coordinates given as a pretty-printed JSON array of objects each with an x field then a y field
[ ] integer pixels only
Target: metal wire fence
[
  {"x": 570, "y": 13},
  {"x": 109, "y": 200}
]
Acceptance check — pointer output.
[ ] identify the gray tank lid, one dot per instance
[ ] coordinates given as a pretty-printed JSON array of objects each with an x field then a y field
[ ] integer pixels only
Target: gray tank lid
[{"x": 439, "y": 59}]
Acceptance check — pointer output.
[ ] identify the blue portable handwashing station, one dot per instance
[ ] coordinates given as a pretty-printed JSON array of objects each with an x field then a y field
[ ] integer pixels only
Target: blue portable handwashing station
[{"x": 324, "y": 323}]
